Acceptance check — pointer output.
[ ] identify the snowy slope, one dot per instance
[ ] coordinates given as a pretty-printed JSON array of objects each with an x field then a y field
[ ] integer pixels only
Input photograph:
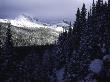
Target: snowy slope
[
  {"x": 32, "y": 22},
  {"x": 22, "y": 21},
  {"x": 96, "y": 65},
  {"x": 27, "y": 36},
  {"x": 28, "y": 30}
]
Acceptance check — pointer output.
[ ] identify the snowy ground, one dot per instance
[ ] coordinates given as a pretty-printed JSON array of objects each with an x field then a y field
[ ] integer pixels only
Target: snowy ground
[{"x": 59, "y": 74}]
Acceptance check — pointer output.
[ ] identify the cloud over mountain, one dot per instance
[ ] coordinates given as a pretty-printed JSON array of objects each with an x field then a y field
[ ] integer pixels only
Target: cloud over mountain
[{"x": 41, "y": 8}]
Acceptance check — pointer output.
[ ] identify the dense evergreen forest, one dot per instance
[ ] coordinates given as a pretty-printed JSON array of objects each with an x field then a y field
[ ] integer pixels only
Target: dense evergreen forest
[{"x": 82, "y": 52}]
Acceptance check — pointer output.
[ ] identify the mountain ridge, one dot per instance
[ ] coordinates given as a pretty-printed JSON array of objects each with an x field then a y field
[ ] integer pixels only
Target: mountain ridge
[{"x": 32, "y": 22}]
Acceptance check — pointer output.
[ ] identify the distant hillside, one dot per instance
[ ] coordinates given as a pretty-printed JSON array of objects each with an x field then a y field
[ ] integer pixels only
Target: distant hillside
[{"x": 29, "y": 36}]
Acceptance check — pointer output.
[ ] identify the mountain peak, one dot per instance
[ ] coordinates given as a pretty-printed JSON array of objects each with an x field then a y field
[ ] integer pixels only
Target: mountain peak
[
  {"x": 26, "y": 21},
  {"x": 27, "y": 18},
  {"x": 21, "y": 17}
]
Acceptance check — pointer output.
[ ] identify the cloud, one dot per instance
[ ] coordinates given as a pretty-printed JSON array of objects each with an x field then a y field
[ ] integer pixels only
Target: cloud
[{"x": 41, "y": 8}]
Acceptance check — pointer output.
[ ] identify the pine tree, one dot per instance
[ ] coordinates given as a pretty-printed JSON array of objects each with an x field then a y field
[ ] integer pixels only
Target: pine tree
[
  {"x": 83, "y": 17},
  {"x": 107, "y": 25},
  {"x": 72, "y": 69},
  {"x": 77, "y": 29},
  {"x": 60, "y": 48},
  {"x": 47, "y": 69},
  {"x": 29, "y": 70},
  {"x": 7, "y": 55},
  {"x": 1, "y": 60},
  {"x": 0, "y": 42},
  {"x": 92, "y": 37}
]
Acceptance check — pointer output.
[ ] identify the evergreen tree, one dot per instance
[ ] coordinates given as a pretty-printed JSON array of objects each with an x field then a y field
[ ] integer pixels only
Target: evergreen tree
[
  {"x": 88, "y": 40},
  {"x": 83, "y": 18},
  {"x": 47, "y": 69},
  {"x": 0, "y": 42},
  {"x": 28, "y": 69},
  {"x": 7, "y": 55},
  {"x": 107, "y": 25},
  {"x": 77, "y": 29},
  {"x": 60, "y": 51}
]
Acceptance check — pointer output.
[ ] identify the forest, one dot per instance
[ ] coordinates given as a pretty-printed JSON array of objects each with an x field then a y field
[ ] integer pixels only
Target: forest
[{"x": 81, "y": 54}]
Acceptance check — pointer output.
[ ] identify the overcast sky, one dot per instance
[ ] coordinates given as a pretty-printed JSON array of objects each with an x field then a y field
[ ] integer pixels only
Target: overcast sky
[{"x": 41, "y": 8}]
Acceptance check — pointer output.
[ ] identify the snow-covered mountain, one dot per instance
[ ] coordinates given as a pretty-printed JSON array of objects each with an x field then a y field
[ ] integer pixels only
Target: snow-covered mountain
[
  {"x": 32, "y": 22},
  {"x": 28, "y": 31}
]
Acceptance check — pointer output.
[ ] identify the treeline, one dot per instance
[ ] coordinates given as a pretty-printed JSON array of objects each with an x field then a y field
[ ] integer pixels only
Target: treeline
[{"x": 89, "y": 39}]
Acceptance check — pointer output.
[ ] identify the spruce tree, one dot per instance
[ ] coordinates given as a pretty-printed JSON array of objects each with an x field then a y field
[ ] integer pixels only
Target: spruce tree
[
  {"x": 0, "y": 43},
  {"x": 77, "y": 29},
  {"x": 83, "y": 17},
  {"x": 7, "y": 55},
  {"x": 61, "y": 48},
  {"x": 90, "y": 39}
]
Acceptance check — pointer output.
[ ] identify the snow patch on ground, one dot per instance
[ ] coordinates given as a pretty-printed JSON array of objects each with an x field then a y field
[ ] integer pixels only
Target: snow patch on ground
[
  {"x": 106, "y": 57},
  {"x": 60, "y": 74},
  {"x": 96, "y": 65}
]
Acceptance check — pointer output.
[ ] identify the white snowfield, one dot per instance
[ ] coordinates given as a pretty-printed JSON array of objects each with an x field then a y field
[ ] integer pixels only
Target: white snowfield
[
  {"x": 4, "y": 21},
  {"x": 21, "y": 21},
  {"x": 28, "y": 22}
]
